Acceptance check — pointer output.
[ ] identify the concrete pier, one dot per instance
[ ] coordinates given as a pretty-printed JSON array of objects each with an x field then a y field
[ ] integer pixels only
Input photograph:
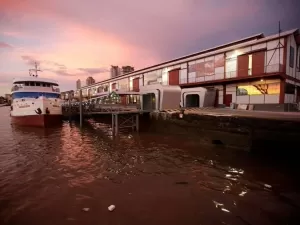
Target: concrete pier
[{"x": 262, "y": 132}]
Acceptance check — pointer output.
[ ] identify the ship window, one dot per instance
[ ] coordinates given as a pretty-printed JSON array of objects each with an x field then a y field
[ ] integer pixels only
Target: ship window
[
  {"x": 34, "y": 95},
  {"x": 37, "y": 84},
  {"x": 44, "y": 85},
  {"x": 26, "y": 83},
  {"x": 31, "y": 83}
]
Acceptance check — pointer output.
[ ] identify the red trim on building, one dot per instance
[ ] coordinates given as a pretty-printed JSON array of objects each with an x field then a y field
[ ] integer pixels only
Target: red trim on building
[
  {"x": 258, "y": 60},
  {"x": 174, "y": 77},
  {"x": 136, "y": 84},
  {"x": 242, "y": 65},
  {"x": 282, "y": 92}
]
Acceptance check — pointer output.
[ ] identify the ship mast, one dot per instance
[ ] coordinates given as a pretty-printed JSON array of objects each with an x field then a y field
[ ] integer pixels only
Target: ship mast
[{"x": 35, "y": 70}]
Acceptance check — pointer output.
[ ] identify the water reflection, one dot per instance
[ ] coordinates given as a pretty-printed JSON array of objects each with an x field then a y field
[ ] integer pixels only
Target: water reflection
[{"x": 48, "y": 176}]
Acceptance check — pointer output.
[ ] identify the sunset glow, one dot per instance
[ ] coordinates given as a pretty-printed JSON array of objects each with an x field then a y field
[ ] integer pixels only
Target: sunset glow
[{"x": 72, "y": 39}]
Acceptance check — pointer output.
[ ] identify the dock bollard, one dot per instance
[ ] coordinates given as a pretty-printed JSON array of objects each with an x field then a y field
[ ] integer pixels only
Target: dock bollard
[{"x": 181, "y": 113}]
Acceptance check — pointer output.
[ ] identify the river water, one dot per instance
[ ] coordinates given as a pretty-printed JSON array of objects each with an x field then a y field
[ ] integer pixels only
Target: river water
[{"x": 70, "y": 176}]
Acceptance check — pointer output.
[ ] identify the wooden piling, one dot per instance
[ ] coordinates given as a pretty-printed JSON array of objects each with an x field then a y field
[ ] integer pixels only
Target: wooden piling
[
  {"x": 137, "y": 121},
  {"x": 80, "y": 107}
]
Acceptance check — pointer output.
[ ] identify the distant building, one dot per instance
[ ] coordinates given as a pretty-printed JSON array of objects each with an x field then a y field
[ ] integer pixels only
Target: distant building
[
  {"x": 67, "y": 94},
  {"x": 78, "y": 84},
  {"x": 115, "y": 71},
  {"x": 90, "y": 81},
  {"x": 2, "y": 100},
  {"x": 8, "y": 98},
  {"x": 127, "y": 69}
]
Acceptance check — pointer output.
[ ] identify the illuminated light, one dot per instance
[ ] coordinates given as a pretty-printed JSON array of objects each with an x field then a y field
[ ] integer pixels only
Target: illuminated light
[
  {"x": 225, "y": 210},
  {"x": 242, "y": 193},
  {"x": 261, "y": 80},
  {"x": 217, "y": 204}
]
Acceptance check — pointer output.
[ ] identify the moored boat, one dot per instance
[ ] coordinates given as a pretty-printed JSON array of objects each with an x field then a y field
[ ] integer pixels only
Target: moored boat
[{"x": 35, "y": 101}]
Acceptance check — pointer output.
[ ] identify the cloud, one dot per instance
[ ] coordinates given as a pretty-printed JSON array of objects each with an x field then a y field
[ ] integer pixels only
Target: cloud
[
  {"x": 94, "y": 70},
  {"x": 30, "y": 60},
  {"x": 4, "y": 45}
]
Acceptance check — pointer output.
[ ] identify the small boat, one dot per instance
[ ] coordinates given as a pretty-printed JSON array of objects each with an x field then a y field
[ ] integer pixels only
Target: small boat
[{"x": 35, "y": 101}]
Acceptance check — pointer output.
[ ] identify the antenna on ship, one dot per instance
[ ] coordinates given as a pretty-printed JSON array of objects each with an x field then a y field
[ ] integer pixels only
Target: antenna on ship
[{"x": 35, "y": 70}]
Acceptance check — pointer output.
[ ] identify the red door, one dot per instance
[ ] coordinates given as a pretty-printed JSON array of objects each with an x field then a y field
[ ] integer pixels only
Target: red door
[
  {"x": 123, "y": 99},
  {"x": 243, "y": 65},
  {"x": 136, "y": 84},
  {"x": 228, "y": 99},
  {"x": 258, "y": 63},
  {"x": 174, "y": 77}
]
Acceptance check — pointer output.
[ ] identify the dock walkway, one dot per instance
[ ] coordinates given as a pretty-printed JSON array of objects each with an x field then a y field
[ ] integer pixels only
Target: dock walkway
[{"x": 225, "y": 112}]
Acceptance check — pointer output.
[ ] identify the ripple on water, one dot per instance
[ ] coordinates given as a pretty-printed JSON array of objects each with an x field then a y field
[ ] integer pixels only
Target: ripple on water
[{"x": 48, "y": 169}]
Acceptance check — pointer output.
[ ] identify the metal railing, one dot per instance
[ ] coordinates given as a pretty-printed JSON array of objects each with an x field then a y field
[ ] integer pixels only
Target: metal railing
[{"x": 94, "y": 107}]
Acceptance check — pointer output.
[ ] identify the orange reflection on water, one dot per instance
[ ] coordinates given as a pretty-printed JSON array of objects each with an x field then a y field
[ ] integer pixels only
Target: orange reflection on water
[{"x": 77, "y": 155}]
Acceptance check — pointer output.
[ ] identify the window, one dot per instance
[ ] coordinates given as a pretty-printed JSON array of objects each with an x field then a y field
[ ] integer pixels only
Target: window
[
  {"x": 250, "y": 65},
  {"x": 289, "y": 89},
  {"x": 31, "y": 83},
  {"x": 292, "y": 53},
  {"x": 258, "y": 89},
  {"x": 34, "y": 95},
  {"x": 26, "y": 83},
  {"x": 37, "y": 84}
]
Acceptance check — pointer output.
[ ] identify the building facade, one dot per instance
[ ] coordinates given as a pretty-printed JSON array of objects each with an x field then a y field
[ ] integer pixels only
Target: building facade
[
  {"x": 78, "y": 84},
  {"x": 255, "y": 70},
  {"x": 127, "y": 69},
  {"x": 90, "y": 81}
]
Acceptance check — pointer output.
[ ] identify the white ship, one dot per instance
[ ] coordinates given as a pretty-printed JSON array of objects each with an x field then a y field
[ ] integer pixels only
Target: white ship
[{"x": 35, "y": 101}]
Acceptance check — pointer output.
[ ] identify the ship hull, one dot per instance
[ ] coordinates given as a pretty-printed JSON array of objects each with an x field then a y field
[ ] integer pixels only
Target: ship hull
[{"x": 37, "y": 120}]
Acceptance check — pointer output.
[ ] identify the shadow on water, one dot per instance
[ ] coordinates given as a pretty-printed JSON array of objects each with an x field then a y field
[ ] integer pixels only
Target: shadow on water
[{"x": 48, "y": 175}]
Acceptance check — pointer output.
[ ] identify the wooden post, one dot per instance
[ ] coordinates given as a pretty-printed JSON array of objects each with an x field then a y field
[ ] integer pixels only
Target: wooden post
[
  {"x": 116, "y": 124},
  {"x": 69, "y": 99},
  {"x": 137, "y": 121},
  {"x": 113, "y": 124},
  {"x": 80, "y": 107}
]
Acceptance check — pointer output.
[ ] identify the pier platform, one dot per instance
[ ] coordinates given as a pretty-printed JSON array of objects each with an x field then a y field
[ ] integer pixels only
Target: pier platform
[{"x": 224, "y": 112}]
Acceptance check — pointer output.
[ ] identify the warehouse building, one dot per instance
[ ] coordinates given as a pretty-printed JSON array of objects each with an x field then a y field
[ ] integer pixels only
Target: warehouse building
[{"x": 263, "y": 71}]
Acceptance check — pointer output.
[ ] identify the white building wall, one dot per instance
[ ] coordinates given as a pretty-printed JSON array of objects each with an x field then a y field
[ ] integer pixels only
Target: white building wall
[
  {"x": 298, "y": 64},
  {"x": 231, "y": 89},
  {"x": 291, "y": 43}
]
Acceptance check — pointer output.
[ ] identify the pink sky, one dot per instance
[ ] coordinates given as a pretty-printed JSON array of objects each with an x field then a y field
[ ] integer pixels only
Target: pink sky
[{"x": 74, "y": 39}]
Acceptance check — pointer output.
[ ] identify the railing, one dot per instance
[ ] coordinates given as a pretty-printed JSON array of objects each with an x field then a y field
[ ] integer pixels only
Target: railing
[
  {"x": 252, "y": 72},
  {"x": 105, "y": 108}
]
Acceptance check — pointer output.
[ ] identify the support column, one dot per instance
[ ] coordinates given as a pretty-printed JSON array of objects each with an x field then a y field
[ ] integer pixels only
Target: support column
[
  {"x": 224, "y": 93},
  {"x": 116, "y": 125},
  {"x": 113, "y": 124},
  {"x": 282, "y": 91},
  {"x": 137, "y": 121}
]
